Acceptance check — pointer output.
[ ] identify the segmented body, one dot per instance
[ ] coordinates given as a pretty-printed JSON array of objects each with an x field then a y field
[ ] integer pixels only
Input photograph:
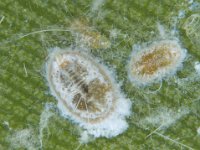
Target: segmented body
[{"x": 82, "y": 86}]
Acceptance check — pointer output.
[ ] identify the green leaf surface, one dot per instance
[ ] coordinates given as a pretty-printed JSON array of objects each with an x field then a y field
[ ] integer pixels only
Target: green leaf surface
[{"x": 166, "y": 119}]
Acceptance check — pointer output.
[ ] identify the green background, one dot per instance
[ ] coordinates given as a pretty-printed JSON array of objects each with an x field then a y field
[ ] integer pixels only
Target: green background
[{"x": 24, "y": 91}]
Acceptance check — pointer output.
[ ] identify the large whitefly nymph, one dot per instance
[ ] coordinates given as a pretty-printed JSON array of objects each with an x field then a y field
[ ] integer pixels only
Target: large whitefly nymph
[{"x": 87, "y": 93}]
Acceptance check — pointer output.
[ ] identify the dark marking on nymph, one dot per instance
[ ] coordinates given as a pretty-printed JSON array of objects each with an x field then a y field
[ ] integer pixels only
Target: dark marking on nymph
[
  {"x": 74, "y": 73},
  {"x": 90, "y": 93}
]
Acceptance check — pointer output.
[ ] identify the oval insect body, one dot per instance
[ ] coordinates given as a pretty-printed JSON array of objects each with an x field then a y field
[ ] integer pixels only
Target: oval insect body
[
  {"x": 85, "y": 91},
  {"x": 155, "y": 62},
  {"x": 192, "y": 27}
]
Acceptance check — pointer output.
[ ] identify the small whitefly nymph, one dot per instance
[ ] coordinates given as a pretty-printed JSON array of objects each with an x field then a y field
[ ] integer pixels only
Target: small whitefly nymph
[
  {"x": 153, "y": 63},
  {"x": 86, "y": 93},
  {"x": 192, "y": 27}
]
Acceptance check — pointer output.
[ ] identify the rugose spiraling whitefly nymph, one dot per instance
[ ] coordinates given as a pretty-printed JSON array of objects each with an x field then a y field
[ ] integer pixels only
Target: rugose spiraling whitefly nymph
[{"x": 87, "y": 93}]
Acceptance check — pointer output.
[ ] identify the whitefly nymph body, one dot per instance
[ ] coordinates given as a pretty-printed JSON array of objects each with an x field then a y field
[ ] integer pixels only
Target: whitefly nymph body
[
  {"x": 86, "y": 93},
  {"x": 152, "y": 63}
]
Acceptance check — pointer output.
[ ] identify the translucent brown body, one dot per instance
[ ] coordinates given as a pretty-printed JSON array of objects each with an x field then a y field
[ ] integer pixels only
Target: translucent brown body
[
  {"x": 89, "y": 97},
  {"x": 89, "y": 36},
  {"x": 89, "y": 93},
  {"x": 151, "y": 62}
]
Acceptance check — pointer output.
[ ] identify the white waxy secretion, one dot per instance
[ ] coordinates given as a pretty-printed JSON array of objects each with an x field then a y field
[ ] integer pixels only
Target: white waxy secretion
[{"x": 86, "y": 93}]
